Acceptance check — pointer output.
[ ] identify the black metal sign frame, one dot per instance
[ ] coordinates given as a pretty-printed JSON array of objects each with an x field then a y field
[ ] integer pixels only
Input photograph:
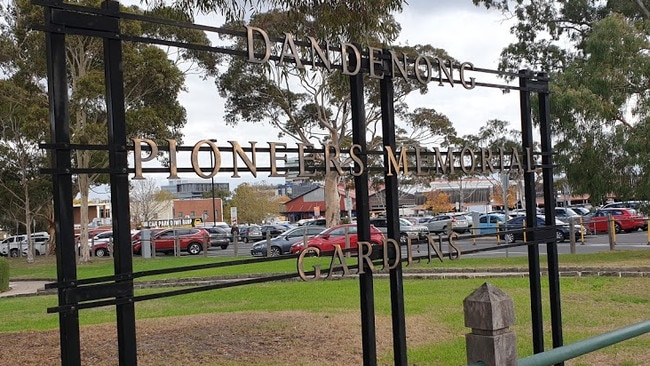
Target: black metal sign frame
[{"x": 75, "y": 294}]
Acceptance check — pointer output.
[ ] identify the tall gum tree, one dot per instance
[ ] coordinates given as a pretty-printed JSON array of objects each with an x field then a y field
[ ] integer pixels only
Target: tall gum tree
[
  {"x": 152, "y": 82},
  {"x": 313, "y": 106},
  {"x": 596, "y": 55}
]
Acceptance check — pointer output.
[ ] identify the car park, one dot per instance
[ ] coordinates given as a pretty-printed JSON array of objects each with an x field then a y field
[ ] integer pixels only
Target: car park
[
  {"x": 516, "y": 225},
  {"x": 191, "y": 240},
  {"x": 219, "y": 236},
  {"x": 281, "y": 244},
  {"x": 340, "y": 235},
  {"x": 623, "y": 219},
  {"x": 406, "y": 229}
]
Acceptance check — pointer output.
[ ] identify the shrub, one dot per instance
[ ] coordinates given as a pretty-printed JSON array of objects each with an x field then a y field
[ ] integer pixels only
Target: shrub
[{"x": 4, "y": 274}]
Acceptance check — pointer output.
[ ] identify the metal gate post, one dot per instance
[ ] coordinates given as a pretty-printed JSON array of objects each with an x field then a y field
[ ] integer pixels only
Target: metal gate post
[
  {"x": 66, "y": 259},
  {"x": 392, "y": 213},
  {"x": 123, "y": 257},
  {"x": 549, "y": 202},
  {"x": 531, "y": 213},
  {"x": 366, "y": 289}
]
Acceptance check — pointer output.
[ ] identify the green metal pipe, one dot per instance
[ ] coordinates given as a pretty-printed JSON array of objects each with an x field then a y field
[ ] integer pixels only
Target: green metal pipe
[{"x": 576, "y": 349}]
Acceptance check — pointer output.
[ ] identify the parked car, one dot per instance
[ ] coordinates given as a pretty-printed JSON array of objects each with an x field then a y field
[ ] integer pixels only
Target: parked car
[
  {"x": 562, "y": 230},
  {"x": 14, "y": 245},
  {"x": 243, "y": 231},
  {"x": 625, "y": 219},
  {"x": 336, "y": 235},
  {"x": 99, "y": 244},
  {"x": 580, "y": 210},
  {"x": 639, "y": 206},
  {"x": 491, "y": 222},
  {"x": 191, "y": 240},
  {"x": 281, "y": 244},
  {"x": 406, "y": 229},
  {"x": 260, "y": 232},
  {"x": 460, "y": 223},
  {"x": 564, "y": 214},
  {"x": 317, "y": 222},
  {"x": 443, "y": 222},
  {"x": 219, "y": 236}
]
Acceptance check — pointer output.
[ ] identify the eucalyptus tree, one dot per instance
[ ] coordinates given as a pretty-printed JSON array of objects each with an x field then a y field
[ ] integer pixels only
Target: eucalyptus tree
[
  {"x": 22, "y": 186},
  {"x": 313, "y": 107},
  {"x": 152, "y": 81},
  {"x": 596, "y": 55}
]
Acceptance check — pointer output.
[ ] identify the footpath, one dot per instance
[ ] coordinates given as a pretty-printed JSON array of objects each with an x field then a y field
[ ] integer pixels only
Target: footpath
[{"x": 37, "y": 287}]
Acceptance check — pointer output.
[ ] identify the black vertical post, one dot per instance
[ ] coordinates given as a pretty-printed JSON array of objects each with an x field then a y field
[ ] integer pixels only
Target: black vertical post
[
  {"x": 366, "y": 289},
  {"x": 392, "y": 213},
  {"x": 549, "y": 201},
  {"x": 531, "y": 212},
  {"x": 66, "y": 261},
  {"x": 119, "y": 182}
]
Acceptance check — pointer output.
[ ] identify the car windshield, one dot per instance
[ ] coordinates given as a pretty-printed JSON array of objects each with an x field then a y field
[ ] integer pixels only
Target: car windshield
[{"x": 405, "y": 222}]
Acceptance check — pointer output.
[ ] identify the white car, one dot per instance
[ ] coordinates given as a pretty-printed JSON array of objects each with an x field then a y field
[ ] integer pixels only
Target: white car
[{"x": 14, "y": 245}]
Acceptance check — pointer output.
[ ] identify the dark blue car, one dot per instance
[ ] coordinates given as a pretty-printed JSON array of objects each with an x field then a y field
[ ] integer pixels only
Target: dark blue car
[{"x": 281, "y": 244}]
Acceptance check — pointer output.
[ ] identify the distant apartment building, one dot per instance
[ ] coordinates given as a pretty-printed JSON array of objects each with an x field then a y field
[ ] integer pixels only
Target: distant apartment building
[{"x": 184, "y": 188}]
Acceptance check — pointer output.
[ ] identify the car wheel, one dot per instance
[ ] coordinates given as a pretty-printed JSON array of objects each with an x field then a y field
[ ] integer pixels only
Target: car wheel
[
  {"x": 224, "y": 246},
  {"x": 275, "y": 252},
  {"x": 13, "y": 253},
  {"x": 194, "y": 248},
  {"x": 403, "y": 238},
  {"x": 101, "y": 252},
  {"x": 617, "y": 228},
  {"x": 510, "y": 238},
  {"x": 559, "y": 235}
]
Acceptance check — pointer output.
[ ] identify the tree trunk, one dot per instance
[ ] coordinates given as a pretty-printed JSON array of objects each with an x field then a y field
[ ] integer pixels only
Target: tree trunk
[
  {"x": 332, "y": 199},
  {"x": 28, "y": 228}
]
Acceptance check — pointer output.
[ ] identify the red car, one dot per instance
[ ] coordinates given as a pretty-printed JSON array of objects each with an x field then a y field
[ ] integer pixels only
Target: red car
[
  {"x": 624, "y": 220},
  {"x": 326, "y": 240},
  {"x": 192, "y": 240}
]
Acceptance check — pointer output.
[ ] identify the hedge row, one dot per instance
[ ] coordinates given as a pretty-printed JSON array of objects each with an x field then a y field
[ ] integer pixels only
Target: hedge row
[{"x": 4, "y": 274}]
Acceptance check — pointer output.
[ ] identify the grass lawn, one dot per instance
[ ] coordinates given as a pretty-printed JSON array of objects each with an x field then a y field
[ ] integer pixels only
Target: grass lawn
[{"x": 433, "y": 307}]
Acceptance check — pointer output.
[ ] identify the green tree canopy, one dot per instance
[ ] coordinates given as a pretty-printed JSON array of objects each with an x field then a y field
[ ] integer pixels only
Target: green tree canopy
[{"x": 596, "y": 55}]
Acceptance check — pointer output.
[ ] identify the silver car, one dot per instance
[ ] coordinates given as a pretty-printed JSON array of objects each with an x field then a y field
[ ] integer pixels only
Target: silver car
[{"x": 444, "y": 222}]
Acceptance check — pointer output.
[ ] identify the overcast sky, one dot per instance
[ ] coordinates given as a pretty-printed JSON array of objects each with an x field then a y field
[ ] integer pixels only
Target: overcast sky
[{"x": 468, "y": 33}]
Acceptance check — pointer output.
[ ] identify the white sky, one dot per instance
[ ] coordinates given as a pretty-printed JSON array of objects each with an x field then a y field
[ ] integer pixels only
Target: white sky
[{"x": 468, "y": 33}]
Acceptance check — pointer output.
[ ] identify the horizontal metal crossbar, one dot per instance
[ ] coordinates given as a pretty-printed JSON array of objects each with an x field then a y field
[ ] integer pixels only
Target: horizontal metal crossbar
[
  {"x": 96, "y": 22},
  {"x": 84, "y": 293}
]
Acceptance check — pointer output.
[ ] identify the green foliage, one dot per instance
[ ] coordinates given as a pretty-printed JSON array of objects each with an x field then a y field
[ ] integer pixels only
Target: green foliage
[
  {"x": 595, "y": 55},
  {"x": 4, "y": 274},
  {"x": 255, "y": 203}
]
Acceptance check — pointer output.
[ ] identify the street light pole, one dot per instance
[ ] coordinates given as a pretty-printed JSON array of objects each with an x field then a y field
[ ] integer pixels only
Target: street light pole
[{"x": 214, "y": 210}]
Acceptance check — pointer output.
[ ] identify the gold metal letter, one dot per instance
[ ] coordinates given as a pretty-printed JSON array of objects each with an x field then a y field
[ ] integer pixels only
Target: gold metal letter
[
  {"x": 251, "y": 45},
  {"x": 137, "y": 155}
]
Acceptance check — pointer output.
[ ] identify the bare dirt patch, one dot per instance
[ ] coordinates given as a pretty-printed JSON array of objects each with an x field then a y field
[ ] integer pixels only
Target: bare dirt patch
[{"x": 251, "y": 338}]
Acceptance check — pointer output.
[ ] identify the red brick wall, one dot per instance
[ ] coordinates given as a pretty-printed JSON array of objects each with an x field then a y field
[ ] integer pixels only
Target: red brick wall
[{"x": 198, "y": 206}]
